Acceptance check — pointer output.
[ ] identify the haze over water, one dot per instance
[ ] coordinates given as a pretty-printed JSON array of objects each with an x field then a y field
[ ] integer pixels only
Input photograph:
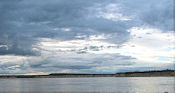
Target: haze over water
[{"x": 88, "y": 85}]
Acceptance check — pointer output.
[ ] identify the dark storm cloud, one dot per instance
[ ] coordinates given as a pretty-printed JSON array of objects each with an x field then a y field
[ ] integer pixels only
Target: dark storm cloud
[
  {"x": 15, "y": 39},
  {"x": 24, "y": 21}
]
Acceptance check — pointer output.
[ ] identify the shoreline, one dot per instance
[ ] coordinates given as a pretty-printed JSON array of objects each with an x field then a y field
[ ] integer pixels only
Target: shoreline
[{"x": 162, "y": 73}]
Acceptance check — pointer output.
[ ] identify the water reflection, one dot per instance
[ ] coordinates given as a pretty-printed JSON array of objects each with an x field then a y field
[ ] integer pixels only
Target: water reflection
[{"x": 88, "y": 85}]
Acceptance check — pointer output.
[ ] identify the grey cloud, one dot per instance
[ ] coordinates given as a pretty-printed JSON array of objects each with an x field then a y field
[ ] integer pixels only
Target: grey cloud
[
  {"x": 17, "y": 39},
  {"x": 86, "y": 64},
  {"x": 81, "y": 52},
  {"x": 114, "y": 60},
  {"x": 24, "y": 21},
  {"x": 158, "y": 14},
  {"x": 72, "y": 67},
  {"x": 50, "y": 64}
]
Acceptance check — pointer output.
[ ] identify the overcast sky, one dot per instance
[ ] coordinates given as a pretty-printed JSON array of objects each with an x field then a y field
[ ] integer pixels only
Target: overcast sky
[{"x": 85, "y": 36}]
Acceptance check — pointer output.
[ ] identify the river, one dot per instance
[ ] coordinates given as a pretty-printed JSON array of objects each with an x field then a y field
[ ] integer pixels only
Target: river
[{"x": 88, "y": 85}]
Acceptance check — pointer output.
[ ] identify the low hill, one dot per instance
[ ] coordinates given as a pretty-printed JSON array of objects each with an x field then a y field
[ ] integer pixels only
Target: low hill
[{"x": 147, "y": 73}]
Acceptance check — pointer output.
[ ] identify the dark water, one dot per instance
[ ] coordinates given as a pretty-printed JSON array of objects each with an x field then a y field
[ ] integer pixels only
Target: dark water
[{"x": 88, "y": 85}]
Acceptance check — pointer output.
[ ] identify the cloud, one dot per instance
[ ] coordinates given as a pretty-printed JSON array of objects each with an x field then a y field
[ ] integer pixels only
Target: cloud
[
  {"x": 24, "y": 21},
  {"x": 152, "y": 47},
  {"x": 158, "y": 14},
  {"x": 53, "y": 62},
  {"x": 84, "y": 36}
]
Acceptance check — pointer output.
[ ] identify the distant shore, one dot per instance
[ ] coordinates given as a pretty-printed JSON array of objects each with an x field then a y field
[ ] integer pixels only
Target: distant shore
[
  {"x": 162, "y": 73},
  {"x": 158, "y": 73}
]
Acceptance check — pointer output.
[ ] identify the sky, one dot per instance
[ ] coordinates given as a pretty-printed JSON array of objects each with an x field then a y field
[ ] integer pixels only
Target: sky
[{"x": 86, "y": 36}]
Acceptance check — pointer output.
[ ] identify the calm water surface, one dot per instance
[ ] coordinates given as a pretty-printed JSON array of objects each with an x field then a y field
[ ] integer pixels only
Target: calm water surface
[{"x": 88, "y": 85}]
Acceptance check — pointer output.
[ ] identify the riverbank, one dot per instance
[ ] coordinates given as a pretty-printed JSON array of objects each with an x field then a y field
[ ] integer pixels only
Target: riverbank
[{"x": 162, "y": 73}]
